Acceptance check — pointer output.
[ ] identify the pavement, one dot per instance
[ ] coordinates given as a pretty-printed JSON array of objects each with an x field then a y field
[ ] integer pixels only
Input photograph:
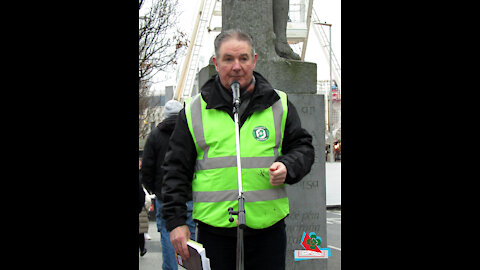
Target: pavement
[
  {"x": 334, "y": 239},
  {"x": 152, "y": 260}
]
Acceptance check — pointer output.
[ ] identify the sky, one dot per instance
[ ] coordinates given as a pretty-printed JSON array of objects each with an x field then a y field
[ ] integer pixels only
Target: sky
[{"x": 327, "y": 11}]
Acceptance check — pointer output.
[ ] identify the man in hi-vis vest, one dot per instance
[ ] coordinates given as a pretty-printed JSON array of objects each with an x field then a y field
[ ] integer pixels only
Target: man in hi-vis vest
[{"x": 275, "y": 150}]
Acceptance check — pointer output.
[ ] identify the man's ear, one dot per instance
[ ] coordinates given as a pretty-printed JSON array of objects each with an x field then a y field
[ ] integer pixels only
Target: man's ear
[{"x": 214, "y": 60}]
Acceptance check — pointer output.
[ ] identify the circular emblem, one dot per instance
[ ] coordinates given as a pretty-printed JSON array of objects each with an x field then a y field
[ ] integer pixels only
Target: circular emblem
[{"x": 260, "y": 133}]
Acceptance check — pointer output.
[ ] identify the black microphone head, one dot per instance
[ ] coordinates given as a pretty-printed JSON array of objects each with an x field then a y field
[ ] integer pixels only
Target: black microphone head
[
  {"x": 235, "y": 83},
  {"x": 235, "y": 86}
]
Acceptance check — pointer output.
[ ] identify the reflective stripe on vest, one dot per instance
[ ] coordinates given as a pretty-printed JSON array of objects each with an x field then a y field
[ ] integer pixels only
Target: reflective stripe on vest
[
  {"x": 215, "y": 185},
  {"x": 232, "y": 195}
]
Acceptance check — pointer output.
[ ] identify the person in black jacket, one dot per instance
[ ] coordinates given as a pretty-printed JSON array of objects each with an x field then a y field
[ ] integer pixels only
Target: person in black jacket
[
  {"x": 234, "y": 59},
  {"x": 152, "y": 177}
]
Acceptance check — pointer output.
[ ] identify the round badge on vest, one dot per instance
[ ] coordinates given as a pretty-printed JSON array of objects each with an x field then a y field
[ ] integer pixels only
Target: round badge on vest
[{"x": 261, "y": 133}]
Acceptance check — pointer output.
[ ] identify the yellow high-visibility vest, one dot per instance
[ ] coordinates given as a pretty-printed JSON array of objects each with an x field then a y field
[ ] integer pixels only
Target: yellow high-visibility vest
[{"x": 215, "y": 183}]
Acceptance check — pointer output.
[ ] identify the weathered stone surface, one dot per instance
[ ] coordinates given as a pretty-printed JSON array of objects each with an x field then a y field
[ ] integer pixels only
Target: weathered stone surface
[
  {"x": 256, "y": 18},
  {"x": 291, "y": 76},
  {"x": 308, "y": 197}
]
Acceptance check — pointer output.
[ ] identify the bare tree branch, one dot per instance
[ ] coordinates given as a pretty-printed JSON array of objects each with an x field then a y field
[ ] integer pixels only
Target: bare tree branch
[{"x": 159, "y": 43}]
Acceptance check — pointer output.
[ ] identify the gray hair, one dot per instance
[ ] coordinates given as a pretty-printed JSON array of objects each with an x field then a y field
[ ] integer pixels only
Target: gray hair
[{"x": 233, "y": 33}]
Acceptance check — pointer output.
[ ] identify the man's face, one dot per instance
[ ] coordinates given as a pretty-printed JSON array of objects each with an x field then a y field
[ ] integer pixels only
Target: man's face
[{"x": 235, "y": 62}]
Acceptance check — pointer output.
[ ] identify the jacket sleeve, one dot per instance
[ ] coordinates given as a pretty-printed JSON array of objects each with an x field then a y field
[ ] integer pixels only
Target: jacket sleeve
[
  {"x": 298, "y": 153},
  {"x": 178, "y": 173},
  {"x": 148, "y": 162}
]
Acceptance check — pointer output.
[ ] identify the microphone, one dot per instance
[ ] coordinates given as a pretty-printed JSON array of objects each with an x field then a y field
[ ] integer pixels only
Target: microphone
[{"x": 235, "y": 86}]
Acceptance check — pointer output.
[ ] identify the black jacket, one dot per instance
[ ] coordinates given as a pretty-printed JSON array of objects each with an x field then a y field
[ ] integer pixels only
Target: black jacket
[
  {"x": 297, "y": 148},
  {"x": 154, "y": 154}
]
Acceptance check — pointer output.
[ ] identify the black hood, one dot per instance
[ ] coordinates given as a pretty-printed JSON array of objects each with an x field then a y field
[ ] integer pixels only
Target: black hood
[{"x": 168, "y": 124}]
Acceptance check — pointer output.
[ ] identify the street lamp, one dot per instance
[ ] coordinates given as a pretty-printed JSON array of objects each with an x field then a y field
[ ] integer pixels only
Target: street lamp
[{"x": 331, "y": 142}]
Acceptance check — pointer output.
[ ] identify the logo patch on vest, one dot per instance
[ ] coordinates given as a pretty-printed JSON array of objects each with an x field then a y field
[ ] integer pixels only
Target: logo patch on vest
[{"x": 260, "y": 133}]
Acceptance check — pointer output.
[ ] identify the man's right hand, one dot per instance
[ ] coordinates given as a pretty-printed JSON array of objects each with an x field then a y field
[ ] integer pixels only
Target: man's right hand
[{"x": 179, "y": 237}]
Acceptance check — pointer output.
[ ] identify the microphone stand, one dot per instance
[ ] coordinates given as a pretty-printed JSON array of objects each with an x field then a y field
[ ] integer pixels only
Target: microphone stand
[{"x": 241, "y": 200}]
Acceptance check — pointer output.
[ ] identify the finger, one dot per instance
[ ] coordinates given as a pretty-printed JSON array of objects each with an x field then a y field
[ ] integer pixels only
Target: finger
[
  {"x": 274, "y": 166},
  {"x": 184, "y": 250},
  {"x": 180, "y": 250},
  {"x": 276, "y": 183},
  {"x": 278, "y": 174},
  {"x": 278, "y": 179},
  {"x": 274, "y": 178},
  {"x": 179, "y": 237},
  {"x": 273, "y": 173}
]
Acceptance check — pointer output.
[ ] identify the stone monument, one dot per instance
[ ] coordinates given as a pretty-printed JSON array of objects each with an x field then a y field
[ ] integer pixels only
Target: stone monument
[{"x": 298, "y": 79}]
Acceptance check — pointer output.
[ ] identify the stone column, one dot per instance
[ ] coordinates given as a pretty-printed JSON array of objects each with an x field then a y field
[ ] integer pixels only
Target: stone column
[{"x": 256, "y": 18}]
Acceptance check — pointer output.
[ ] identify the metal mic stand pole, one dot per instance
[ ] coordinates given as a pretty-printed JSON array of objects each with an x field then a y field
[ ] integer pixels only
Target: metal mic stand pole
[{"x": 241, "y": 199}]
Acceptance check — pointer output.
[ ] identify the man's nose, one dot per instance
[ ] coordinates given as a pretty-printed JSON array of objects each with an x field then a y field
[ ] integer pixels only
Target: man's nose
[{"x": 236, "y": 65}]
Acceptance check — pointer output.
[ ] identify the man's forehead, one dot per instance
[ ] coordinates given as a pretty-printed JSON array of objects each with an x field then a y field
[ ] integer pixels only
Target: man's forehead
[
  {"x": 236, "y": 45},
  {"x": 228, "y": 54}
]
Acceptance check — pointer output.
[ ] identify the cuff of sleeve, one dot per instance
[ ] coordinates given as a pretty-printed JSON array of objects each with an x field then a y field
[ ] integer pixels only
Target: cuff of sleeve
[{"x": 174, "y": 223}]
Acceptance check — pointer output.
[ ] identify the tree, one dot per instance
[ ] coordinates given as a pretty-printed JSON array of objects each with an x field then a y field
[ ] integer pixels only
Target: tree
[{"x": 159, "y": 45}]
